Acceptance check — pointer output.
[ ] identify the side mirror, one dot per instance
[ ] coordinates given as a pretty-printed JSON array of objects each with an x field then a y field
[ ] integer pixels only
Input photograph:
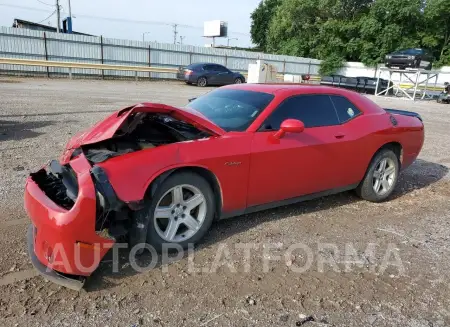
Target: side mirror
[{"x": 290, "y": 126}]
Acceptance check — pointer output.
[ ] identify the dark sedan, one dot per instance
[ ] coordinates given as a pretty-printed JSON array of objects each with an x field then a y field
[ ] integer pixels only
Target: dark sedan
[
  {"x": 204, "y": 74},
  {"x": 410, "y": 58}
]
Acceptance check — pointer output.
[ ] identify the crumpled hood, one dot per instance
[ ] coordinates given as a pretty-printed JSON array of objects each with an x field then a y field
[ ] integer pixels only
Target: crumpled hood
[{"x": 106, "y": 128}]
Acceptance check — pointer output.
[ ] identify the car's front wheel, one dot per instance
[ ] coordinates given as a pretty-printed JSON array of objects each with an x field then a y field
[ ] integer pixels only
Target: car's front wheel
[
  {"x": 181, "y": 211},
  {"x": 381, "y": 177},
  {"x": 238, "y": 80}
]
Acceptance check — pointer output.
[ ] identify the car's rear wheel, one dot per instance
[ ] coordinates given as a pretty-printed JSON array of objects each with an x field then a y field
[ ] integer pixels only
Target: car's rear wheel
[
  {"x": 238, "y": 80},
  {"x": 202, "y": 82},
  {"x": 181, "y": 211},
  {"x": 381, "y": 177}
]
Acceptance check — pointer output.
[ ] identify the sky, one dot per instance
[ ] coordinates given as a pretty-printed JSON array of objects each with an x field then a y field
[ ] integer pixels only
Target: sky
[{"x": 124, "y": 19}]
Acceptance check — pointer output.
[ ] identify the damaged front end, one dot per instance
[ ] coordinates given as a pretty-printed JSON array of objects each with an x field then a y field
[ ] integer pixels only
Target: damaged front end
[
  {"x": 140, "y": 131},
  {"x": 73, "y": 203},
  {"x": 112, "y": 215}
]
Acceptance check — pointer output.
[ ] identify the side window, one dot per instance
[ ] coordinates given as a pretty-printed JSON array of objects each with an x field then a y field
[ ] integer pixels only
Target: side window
[
  {"x": 312, "y": 110},
  {"x": 219, "y": 68},
  {"x": 344, "y": 108},
  {"x": 208, "y": 67}
]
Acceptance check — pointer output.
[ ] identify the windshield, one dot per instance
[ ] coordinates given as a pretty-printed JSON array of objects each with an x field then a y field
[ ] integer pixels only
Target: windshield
[
  {"x": 411, "y": 52},
  {"x": 231, "y": 110}
]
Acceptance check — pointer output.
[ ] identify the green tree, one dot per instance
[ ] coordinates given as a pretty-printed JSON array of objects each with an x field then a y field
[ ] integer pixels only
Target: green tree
[
  {"x": 390, "y": 25},
  {"x": 261, "y": 18},
  {"x": 437, "y": 32},
  {"x": 322, "y": 29},
  {"x": 336, "y": 31}
]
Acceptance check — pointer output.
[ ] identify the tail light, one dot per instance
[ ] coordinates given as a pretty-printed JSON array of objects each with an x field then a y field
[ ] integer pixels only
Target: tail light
[{"x": 188, "y": 72}]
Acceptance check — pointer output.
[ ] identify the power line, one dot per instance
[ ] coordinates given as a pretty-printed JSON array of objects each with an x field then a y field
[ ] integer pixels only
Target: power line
[
  {"x": 47, "y": 17},
  {"x": 124, "y": 20},
  {"x": 44, "y": 3},
  {"x": 23, "y": 7}
]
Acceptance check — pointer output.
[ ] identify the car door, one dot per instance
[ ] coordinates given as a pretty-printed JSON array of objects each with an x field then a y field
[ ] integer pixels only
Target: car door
[
  {"x": 353, "y": 150},
  {"x": 211, "y": 74},
  {"x": 225, "y": 76},
  {"x": 297, "y": 164},
  {"x": 222, "y": 75}
]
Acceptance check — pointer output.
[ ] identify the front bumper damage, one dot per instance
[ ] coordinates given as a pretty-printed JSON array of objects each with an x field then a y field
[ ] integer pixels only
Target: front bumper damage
[
  {"x": 63, "y": 241},
  {"x": 72, "y": 282}
]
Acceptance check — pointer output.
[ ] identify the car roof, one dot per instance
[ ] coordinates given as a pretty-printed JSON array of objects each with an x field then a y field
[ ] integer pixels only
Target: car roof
[
  {"x": 295, "y": 88},
  {"x": 204, "y": 63}
]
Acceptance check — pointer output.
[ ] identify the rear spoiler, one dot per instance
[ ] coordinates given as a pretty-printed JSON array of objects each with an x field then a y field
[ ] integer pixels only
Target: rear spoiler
[{"x": 404, "y": 113}]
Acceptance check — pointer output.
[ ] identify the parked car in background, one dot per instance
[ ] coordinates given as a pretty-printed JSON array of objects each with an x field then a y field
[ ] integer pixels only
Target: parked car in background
[
  {"x": 410, "y": 58},
  {"x": 204, "y": 74}
]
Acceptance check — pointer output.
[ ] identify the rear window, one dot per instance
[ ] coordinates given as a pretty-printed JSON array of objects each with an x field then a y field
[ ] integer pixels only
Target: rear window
[
  {"x": 194, "y": 67},
  {"x": 344, "y": 108},
  {"x": 230, "y": 109}
]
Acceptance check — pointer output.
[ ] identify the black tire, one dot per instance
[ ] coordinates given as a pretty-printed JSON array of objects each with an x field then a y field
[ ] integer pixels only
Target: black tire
[
  {"x": 173, "y": 180},
  {"x": 365, "y": 189},
  {"x": 202, "y": 82},
  {"x": 238, "y": 80}
]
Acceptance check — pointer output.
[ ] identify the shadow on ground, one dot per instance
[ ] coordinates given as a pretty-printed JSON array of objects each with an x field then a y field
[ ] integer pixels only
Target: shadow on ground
[
  {"x": 17, "y": 130},
  {"x": 420, "y": 175}
]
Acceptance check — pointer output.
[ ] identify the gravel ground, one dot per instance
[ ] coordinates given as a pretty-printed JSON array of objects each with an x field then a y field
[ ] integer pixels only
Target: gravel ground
[{"x": 403, "y": 281}]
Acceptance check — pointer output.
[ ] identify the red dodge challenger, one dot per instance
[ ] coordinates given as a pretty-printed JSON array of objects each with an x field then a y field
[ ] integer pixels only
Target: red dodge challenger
[{"x": 155, "y": 174}]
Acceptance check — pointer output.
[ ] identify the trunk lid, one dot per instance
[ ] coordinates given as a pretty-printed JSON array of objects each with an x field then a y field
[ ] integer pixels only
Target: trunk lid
[{"x": 106, "y": 128}]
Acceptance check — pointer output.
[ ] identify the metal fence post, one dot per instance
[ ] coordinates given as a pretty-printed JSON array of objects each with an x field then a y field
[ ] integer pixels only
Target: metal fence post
[
  {"x": 226, "y": 60},
  {"x": 284, "y": 67},
  {"x": 46, "y": 53},
  {"x": 149, "y": 61},
  {"x": 190, "y": 58},
  {"x": 309, "y": 68},
  {"x": 101, "y": 55}
]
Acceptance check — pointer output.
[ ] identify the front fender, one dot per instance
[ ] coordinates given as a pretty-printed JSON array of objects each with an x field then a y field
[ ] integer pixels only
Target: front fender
[{"x": 132, "y": 173}]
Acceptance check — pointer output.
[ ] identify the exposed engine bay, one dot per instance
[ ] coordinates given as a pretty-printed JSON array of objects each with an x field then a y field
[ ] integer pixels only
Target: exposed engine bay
[{"x": 142, "y": 131}]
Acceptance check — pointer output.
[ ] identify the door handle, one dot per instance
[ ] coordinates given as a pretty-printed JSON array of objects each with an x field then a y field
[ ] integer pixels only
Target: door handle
[{"x": 339, "y": 136}]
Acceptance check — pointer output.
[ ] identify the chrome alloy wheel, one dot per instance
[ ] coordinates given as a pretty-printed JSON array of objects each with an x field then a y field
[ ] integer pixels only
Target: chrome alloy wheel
[
  {"x": 384, "y": 176},
  {"x": 180, "y": 213}
]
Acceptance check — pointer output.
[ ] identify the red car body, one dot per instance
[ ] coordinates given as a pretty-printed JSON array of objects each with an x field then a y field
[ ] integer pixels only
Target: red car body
[{"x": 254, "y": 170}]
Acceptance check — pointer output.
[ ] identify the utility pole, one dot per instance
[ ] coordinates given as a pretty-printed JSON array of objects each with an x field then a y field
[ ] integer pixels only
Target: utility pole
[
  {"x": 70, "y": 10},
  {"x": 70, "y": 21},
  {"x": 175, "y": 32},
  {"x": 181, "y": 39},
  {"x": 58, "y": 16}
]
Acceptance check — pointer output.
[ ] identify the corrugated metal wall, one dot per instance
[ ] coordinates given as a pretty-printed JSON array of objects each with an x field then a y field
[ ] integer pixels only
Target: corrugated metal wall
[{"x": 28, "y": 44}]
